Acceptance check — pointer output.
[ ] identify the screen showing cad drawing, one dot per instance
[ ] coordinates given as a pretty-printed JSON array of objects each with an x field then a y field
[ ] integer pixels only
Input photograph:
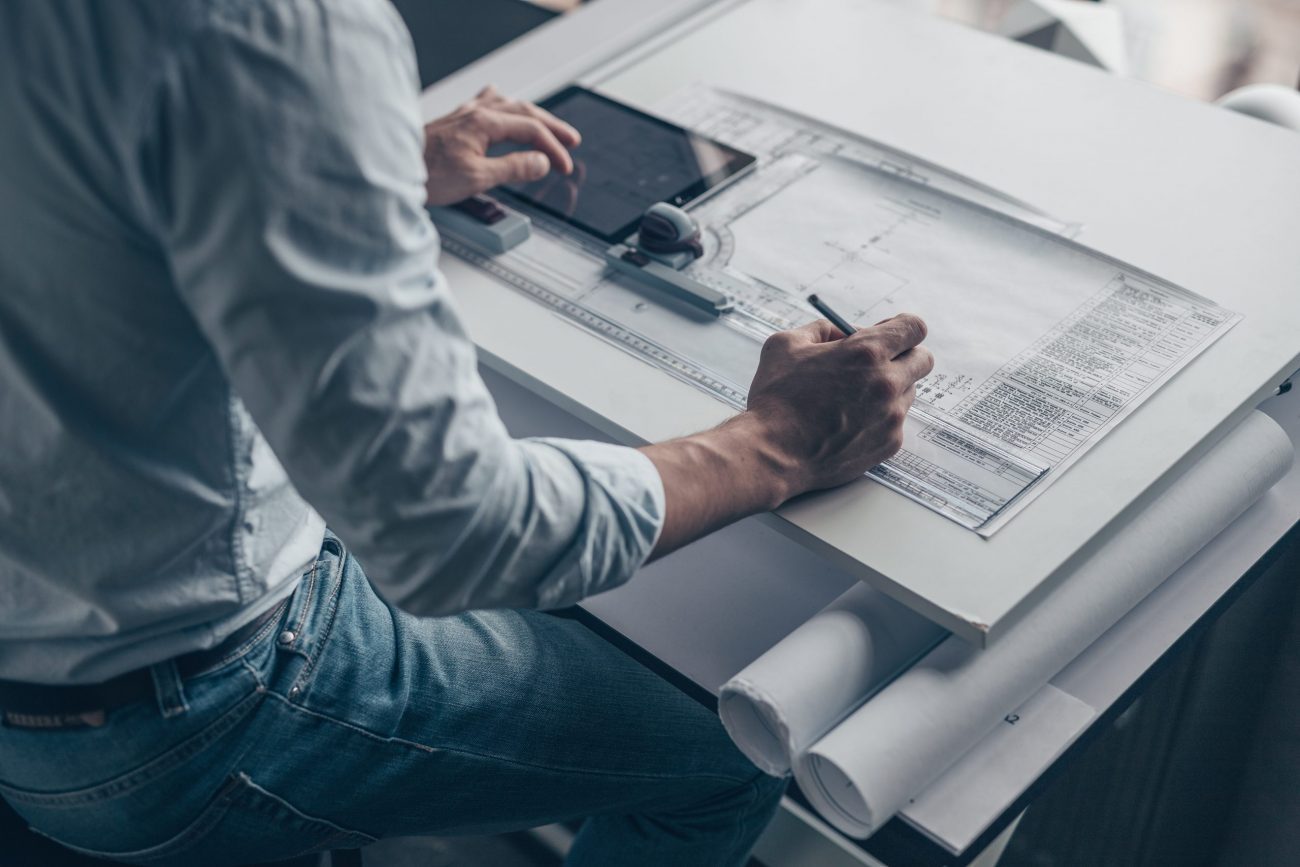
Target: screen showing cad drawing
[{"x": 626, "y": 162}]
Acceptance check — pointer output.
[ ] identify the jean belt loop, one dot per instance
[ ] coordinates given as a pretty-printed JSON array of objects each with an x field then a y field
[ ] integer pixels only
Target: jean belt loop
[{"x": 169, "y": 689}]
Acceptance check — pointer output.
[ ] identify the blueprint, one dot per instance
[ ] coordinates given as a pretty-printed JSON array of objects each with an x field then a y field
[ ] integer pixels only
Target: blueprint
[{"x": 1041, "y": 345}]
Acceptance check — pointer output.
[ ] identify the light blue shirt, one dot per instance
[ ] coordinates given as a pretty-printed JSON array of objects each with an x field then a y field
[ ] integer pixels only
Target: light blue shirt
[{"x": 222, "y": 326}]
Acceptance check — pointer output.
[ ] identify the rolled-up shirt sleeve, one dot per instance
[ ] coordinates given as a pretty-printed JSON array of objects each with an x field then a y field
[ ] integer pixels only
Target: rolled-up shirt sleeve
[{"x": 282, "y": 160}]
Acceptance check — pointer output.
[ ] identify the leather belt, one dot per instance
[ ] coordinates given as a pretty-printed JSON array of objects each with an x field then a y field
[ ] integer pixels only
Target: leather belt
[{"x": 91, "y": 700}]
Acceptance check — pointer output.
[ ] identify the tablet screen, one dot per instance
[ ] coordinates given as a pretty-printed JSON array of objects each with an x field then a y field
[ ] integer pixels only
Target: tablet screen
[{"x": 628, "y": 160}]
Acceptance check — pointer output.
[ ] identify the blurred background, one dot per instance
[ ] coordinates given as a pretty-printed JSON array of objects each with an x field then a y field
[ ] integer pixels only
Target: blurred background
[{"x": 1199, "y": 48}]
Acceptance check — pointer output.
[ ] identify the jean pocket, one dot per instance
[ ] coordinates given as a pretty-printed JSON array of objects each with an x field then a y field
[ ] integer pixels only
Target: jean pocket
[
  {"x": 82, "y": 745},
  {"x": 243, "y": 824}
]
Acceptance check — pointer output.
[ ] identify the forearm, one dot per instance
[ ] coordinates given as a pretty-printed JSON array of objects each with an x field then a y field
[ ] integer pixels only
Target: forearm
[
  {"x": 714, "y": 478},
  {"x": 550, "y": 522}
]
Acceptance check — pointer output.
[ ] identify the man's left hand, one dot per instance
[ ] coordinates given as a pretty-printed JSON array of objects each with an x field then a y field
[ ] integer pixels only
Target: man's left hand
[{"x": 455, "y": 147}]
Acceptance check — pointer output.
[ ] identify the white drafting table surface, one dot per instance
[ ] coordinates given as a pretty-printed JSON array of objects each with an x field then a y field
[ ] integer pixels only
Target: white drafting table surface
[{"x": 1205, "y": 198}]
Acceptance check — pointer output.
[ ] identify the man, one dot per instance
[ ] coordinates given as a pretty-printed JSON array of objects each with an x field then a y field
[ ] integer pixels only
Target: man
[{"x": 221, "y": 329}]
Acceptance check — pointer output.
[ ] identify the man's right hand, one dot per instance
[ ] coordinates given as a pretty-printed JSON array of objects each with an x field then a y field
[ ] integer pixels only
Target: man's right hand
[
  {"x": 832, "y": 406},
  {"x": 823, "y": 409},
  {"x": 456, "y": 147}
]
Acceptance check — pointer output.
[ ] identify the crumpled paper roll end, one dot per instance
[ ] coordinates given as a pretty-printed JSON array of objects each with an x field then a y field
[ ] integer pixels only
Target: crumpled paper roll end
[{"x": 750, "y": 717}]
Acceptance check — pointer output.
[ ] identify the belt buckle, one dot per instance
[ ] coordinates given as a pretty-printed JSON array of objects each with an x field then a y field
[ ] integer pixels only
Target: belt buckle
[{"x": 53, "y": 721}]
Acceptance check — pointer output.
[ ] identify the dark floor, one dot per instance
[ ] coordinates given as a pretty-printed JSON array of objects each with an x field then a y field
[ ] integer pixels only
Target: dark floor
[{"x": 512, "y": 850}]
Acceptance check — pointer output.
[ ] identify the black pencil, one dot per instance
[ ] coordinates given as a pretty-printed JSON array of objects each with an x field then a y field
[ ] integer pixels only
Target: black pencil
[{"x": 836, "y": 319}]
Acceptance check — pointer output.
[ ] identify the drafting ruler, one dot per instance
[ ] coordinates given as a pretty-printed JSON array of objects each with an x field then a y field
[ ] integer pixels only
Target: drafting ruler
[{"x": 625, "y": 338}]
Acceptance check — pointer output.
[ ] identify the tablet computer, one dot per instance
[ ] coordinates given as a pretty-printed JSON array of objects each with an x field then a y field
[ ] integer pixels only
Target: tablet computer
[{"x": 628, "y": 160}]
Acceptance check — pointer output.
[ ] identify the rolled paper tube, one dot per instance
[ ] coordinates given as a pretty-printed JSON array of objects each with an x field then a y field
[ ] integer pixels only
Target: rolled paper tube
[
  {"x": 799, "y": 689},
  {"x": 864, "y": 770}
]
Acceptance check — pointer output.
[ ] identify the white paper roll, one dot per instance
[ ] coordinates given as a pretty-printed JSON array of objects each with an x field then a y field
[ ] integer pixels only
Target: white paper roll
[
  {"x": 864, "y": 770},
  {"x": 795, "y": 692}
]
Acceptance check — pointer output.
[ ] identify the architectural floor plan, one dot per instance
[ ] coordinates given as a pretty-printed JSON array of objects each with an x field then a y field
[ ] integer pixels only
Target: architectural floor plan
[{"x": 1041, "y": 344}]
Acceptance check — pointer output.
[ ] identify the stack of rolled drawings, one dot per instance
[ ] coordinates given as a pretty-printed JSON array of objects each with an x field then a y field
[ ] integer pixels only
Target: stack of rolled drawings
[{"x": 829, "y": 701}]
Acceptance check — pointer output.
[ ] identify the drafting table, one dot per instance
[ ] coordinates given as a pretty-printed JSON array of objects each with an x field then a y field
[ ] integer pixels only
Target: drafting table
[{"x": 1136, "y": 166}]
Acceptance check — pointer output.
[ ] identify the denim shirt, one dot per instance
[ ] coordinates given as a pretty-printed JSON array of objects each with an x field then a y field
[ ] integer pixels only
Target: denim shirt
[{"x": 222, "y": 326}]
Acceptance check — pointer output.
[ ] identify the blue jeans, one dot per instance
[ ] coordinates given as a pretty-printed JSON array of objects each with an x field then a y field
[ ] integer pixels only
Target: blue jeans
[{"x": 345, "y": 720}]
